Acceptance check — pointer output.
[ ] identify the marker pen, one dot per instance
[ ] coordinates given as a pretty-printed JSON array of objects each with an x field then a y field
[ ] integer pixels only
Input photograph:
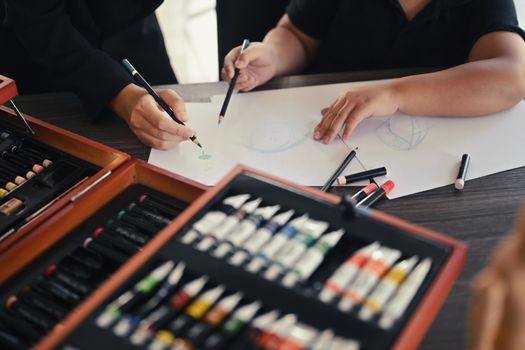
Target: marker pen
[
  {"x": 17, "y": 170},
  {"x": 68, "y": 280},
  {"x": 21, "y": 327},
  {"x": 295, "y": 248},
  {"x": 244, "y": 230},
  {"x": 105, "y": 250},
  {"x": 11, "y": 158},
  {"x": 138, "y": 221},
  {"x": 159, "y": 220},
  {"x": 378, "y": 264},
  {"x": 73, "y": 268},
  {"x": 14, "y": 177},
  {"x": 156, "y": 205},
  {"x": 88, "y": 259},
  {"x": 271, "y": 338},
  {"x": 300, "y": 337},
  {"x": 365, "y": 175},
  {"x": 459, "y": 184},
  {"x": 364, "y": 192},
  {"x": 262, "y": 236},
  {"x": 268, "y": 252},
  {"x": 201, "y": 330},
  {"x": 31, "y": 315},
  {"x": 232, "y": 327},
  {"x": 116, "y": 241},
  {"x": 220, "y": 232},
  {"x": 346, "y": 273},
  {"x": 399, "y": 303},
  {"x": 57, "y": 290},
  {"x": 212, "y": 219},
  {"x": 167, "y": 311},
  {"x": 7, "y": 184},
  {"x": 11, "y": 341},
  {"x": 385, "y": 189},
  {"x": 45, "y": 304},
  {"x": 131, "y": 298},
  {"x": 128, "y": 232},
  {"x": 310, "y": 261},
  {"x": 132, "y": 320},
  {"x": 375, "y": 303}
]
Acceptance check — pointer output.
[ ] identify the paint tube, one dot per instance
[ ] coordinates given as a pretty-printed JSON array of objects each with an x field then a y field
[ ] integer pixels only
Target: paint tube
[
  {"x": 272, "y": 337},
  {"x": 379, "y": 263},
  {"x": 324, "y": 340},
  {"x": 399, "y": 303},
  {"x": 201, "y": 330},
  {"x": 131, "y": 321},
  {"x": 295, "y": 248},
  {"x": 276, "y": 243},
  {"x": 167, "y": 311},
  {"x": 220, "y": 232},
  {"x": 299, "y": 338},
  {"x": 311, "y": 260},
  {"x": 193, "y": 312},
  {"x": 245, "y": 229},
  {"x": 262, "y": 236},
  {"x": 346, "y": 273},
  {"x": 259, "y": 325},
  {"x": 130, "y": 298},
  {"x": 339, "y": 343},
  {"x": 213, "y": 219},
  {"x": 232, "y": 327},
  {"x": 375, "y": 303}
]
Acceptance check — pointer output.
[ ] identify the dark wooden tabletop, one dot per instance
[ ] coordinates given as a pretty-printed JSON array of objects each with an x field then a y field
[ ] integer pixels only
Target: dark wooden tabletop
[{"x": 481, "y": 215}]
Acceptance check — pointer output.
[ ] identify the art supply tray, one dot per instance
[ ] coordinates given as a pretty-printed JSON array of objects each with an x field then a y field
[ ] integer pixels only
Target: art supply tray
[
  {"x": 112, "y": 217},
  {"x": 362, "y": 227}
]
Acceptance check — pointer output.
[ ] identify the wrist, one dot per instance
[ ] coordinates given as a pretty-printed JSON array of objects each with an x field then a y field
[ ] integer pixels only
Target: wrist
[
  {"x": 124, "y": 102},
  {"x": 398, "y": 94}
]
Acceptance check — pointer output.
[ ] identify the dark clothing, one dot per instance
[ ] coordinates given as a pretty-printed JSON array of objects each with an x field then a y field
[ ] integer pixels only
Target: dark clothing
[
  {"x": 78, "y": 44},
  {"x": 375, "y": 34},
  {"x": 250, "y": 19}
]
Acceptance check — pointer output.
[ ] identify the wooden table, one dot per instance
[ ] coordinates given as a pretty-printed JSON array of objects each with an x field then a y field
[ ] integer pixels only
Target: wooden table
[{"x": 481, "y": 215}]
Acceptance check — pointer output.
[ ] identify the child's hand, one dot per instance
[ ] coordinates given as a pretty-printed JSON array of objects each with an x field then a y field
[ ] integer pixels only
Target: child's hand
[
  {"x": 257, "y": 64},
  {"x": 353, "y": 106}
]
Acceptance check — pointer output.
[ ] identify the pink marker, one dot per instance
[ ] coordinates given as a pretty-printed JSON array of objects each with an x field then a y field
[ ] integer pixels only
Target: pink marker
[{"x": 459, "y": 184}]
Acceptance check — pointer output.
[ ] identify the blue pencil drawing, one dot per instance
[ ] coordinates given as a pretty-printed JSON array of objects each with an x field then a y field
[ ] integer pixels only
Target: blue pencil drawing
[{"x": 403, "y": 132}]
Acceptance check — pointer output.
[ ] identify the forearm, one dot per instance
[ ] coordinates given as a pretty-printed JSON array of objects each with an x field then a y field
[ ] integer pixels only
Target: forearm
[
  {"x": 291, "y": 54},
  {"x": 473, "y": 89}
]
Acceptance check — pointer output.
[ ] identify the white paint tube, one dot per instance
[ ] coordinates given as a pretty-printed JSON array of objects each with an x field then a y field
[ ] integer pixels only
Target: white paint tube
[
  {"x": 345, "y": 274},
  {"x": 370, "y": 274},
  {"x": 399, "y": 303},
  {"x": 212, "y": 219},
  {"x": 245, "y": 229}
]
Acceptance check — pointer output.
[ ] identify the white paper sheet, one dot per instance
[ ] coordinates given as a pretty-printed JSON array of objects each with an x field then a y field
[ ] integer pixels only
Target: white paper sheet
[{"x": 272, "y": 131}]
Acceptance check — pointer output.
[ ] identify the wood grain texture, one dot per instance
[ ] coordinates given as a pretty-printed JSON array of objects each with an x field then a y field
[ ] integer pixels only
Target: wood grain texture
[{"x": 480, "y": 216}]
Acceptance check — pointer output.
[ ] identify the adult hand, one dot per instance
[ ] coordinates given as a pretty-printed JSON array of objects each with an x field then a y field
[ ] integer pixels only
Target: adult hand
[
  {"x": 353, "y": 106},
  {"x": 497, "y": 308},
  {"x": 152, "y": 125},
  {"x": 257, "y": 65}
]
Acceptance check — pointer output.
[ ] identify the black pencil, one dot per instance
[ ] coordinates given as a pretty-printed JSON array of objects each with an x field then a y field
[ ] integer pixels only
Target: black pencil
[
  {"x": 142, "y": 82},
  {"x": 339, "y": 170},
  {"x": 222, "y": 113},
  {"x": 21, "y": 116}
]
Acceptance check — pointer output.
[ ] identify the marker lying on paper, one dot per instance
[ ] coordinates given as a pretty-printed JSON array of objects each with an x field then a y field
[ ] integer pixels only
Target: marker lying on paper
[
  {"x": 462, "y": 174},
  {"x": 385, "y": 189},
  {"x": 364, "y": 175}
]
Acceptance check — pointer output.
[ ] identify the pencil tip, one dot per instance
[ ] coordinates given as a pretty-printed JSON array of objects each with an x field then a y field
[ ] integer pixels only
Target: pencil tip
[{"x": 221, "y": 118}]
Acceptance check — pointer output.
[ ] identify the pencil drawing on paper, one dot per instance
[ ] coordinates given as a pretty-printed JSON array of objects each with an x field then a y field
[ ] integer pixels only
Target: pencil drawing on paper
[
  {"x": 403, "y": 132},
  {"x": 204, "y": 156},
  {"x": 276, "y": 137}
]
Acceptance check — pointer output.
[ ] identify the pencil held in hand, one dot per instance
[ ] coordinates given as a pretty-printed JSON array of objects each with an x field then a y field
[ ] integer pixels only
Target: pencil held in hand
[{"x": 233, "y": 82}]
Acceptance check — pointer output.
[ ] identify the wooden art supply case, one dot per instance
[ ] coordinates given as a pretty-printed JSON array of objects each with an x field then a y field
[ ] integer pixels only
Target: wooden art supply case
[
  {"x": 93, "y": 183},
  {"x": 362, "y": 227}
]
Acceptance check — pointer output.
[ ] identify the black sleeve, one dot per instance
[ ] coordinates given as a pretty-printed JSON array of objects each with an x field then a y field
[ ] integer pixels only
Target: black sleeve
[
  {"x": 45, "y": 30},
  {"x": 312, "y": 17},
  {"x": 493, "y": 16}
]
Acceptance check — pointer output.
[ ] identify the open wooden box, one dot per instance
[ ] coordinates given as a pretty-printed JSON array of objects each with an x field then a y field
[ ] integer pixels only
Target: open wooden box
[{"x": 80, "y": 330}]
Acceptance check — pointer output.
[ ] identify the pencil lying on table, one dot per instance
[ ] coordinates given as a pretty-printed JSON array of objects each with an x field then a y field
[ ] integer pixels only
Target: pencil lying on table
[
  {"x": 222, "y": 113},
  {"x": 142, "y": 82}
]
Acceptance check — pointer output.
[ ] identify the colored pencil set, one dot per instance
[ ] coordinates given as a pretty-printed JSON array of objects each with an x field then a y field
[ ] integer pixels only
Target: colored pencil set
[
  {"x": 173, "y": 308},
  {"x": 49, "y": 297}
]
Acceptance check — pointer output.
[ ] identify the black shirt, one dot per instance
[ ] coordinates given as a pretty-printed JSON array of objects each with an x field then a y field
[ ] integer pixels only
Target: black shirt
[
  {"x": 50, "y": 45},
  {"x": 375, "y": 34}
]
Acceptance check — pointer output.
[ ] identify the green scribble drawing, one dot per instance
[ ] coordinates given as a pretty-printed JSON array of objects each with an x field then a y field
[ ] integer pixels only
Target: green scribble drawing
[{"x": 204, "y": 156}]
